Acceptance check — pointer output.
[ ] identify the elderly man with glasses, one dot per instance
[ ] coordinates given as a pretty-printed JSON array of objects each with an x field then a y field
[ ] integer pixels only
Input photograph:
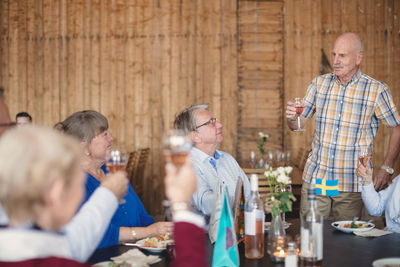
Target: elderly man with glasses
[{"x": 212, "y": 166}]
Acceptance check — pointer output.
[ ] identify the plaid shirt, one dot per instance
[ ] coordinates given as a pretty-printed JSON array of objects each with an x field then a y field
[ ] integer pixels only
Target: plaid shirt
[{"x": 347, "y": 118}]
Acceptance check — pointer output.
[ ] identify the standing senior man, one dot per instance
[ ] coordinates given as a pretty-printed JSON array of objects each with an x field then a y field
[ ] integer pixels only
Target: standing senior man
[
  {"x": 211, "y": 165},
  {"x": 349, "y": 106}
]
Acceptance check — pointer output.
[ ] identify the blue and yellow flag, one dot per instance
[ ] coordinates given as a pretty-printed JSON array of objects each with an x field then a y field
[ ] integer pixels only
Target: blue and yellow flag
[
  {"x": 326, "y": 187},
  {"x": 225, "y": 248}
]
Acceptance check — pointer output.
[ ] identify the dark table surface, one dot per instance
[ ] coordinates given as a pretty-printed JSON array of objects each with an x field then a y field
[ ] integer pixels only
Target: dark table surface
[{"x": 340, "y": 249}]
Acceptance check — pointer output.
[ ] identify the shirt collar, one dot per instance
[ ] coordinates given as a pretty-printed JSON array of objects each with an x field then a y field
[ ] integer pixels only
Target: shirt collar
[
  {"x": 355, "y": 77},
  {"x": 204, "y": 157}
]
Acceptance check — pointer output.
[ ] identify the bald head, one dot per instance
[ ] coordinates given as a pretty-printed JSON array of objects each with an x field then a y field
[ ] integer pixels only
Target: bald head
[
  {"x": 347, "y": 54},
  {"x": 353, "y": 40}
]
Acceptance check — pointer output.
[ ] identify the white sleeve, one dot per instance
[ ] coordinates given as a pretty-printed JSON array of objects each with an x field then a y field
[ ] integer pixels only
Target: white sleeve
[
  {"x": 86, "y": 229},
  {"x": 374, "y": 202}
]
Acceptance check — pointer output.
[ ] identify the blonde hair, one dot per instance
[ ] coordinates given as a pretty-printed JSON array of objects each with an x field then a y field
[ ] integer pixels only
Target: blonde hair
[{"x": 31, "y": 159}]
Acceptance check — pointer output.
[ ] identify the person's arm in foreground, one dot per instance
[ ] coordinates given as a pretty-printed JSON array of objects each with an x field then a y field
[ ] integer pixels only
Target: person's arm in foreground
[
  {"x": 88, "y": 226},
  {"x": 189, "y": 234},
  {"x": 382, "y": 178},
  {"x": 374, "y": 202}
]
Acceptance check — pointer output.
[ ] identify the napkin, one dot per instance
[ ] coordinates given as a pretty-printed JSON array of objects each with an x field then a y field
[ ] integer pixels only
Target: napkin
[
  {"x": 372, "y": 233},
  {"x": 136, "y": 258}
]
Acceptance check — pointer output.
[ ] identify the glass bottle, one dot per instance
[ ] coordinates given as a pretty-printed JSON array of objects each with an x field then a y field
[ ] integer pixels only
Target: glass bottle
[
  {"x": 254, "y": 223},
  {"x": 311, "y": 244},
  {"x": 291, "y": 255}
]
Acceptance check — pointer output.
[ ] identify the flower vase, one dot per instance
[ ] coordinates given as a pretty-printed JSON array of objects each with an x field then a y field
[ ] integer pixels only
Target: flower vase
[{"x": 276, "y": 231}]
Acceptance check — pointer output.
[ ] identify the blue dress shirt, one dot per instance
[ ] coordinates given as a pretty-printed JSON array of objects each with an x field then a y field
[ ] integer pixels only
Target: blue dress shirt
[{"x": 226, "y": 169}]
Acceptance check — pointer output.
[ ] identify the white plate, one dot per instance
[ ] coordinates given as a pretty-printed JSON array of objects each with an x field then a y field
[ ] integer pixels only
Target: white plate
[
  {"x": 387, "y": 262},
  {"x": 268, "y": 224},
  {"x": 340, "y": 226},
  {"x": 140, "y": 244}
]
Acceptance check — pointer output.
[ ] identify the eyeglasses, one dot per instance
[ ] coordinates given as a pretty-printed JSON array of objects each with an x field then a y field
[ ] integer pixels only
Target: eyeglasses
[{"x": 212, "y": 121}]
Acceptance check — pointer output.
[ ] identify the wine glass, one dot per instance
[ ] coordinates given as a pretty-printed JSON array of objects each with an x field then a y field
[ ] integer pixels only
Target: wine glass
[
  {"x": 299, "y": 105},
  {"x": 252, "y": 159},
  {"x": 116, "y": 160},
  {"x": 176, "y": 147},
  {"x": 364, "y": 155}
]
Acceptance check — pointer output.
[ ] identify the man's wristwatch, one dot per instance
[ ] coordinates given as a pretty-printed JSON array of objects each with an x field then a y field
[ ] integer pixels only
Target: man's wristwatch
[{"x": 387, "y": 169}]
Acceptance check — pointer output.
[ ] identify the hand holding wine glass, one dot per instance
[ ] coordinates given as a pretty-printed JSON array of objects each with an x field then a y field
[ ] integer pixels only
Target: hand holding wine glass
[{"x": 116, "y": 160}]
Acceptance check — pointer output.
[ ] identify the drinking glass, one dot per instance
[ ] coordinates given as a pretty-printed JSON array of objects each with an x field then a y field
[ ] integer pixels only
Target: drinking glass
[
  {"x": 299, "y": 105},
  {"x": 253, "y": 159},
  {"x": 116, "y": 160},
  {"x": 364, "y": 155},
  {"x": 176, "y": 146},
  {"x": 287, "y": 158}
]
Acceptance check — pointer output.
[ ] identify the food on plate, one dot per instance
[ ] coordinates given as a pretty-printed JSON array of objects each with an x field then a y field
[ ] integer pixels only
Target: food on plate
[
  {"x": 356, "y": 225},
  {"x": 158, "y": 242}
]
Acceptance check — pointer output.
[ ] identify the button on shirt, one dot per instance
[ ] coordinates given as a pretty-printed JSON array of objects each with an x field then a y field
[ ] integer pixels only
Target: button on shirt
[
  {"x": 347, "y": 116},
  {"x": 226, "y": 169}
]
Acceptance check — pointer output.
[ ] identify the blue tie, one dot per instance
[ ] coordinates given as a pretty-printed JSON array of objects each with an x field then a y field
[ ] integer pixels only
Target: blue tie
[{"x": 213, "y": 163}]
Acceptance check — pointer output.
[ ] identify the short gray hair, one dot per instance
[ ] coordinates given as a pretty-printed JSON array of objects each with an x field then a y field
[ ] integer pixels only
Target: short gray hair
[
  {"x": 32, "y": 158},
  {"x": 186, "y": 120},
  {"x": 84, "y": 125}
]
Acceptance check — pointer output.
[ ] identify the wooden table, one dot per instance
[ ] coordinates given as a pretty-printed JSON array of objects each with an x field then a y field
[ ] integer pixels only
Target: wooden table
[{"x": 340, "y": 249}]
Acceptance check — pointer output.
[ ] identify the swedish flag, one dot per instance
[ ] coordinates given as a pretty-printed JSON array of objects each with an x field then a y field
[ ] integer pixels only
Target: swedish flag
[{"x": 326, "y": 187}]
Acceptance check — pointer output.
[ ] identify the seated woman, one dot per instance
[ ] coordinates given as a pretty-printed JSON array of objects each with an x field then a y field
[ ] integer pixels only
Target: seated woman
[
  {"x": 387, "y": 200},
  {"x": 131, "y": 221},
  {"x": 41, "y": 187}
]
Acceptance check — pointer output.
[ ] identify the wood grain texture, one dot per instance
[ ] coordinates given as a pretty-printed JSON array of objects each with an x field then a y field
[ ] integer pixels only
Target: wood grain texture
[{"x": 139, "y": 62}]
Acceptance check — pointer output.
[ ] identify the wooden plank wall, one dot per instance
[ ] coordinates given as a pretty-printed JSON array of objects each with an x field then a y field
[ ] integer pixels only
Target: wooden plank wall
[
  {"x": 314, "y": 25},
  {"x": 137, "y": 62},
  {"x": 260, "y": 76}
]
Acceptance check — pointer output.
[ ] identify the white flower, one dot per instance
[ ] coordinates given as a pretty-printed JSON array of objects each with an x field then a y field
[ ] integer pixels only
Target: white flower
[
  {"x": 262, "y": 135},
  {"x": 288, "y": 169},
  {"x": 284, "y": 179}
]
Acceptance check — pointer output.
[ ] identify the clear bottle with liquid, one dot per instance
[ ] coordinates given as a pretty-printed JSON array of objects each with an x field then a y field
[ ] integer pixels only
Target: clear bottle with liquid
[
  {"x": 311, "y": 244},
  {"x": 254, "y": 218},
  {"x": 291, "y": 255}
]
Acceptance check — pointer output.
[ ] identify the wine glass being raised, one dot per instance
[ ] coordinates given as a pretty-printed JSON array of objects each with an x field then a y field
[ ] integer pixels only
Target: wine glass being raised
[
  {"x": 176, "y": 146},
  {"x": 116, "y": 159},
  {"x": 299, "y": 105}
]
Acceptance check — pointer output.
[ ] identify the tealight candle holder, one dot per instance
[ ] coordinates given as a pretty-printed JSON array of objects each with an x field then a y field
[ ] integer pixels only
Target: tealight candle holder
[{"x": 278, "y": 249}]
